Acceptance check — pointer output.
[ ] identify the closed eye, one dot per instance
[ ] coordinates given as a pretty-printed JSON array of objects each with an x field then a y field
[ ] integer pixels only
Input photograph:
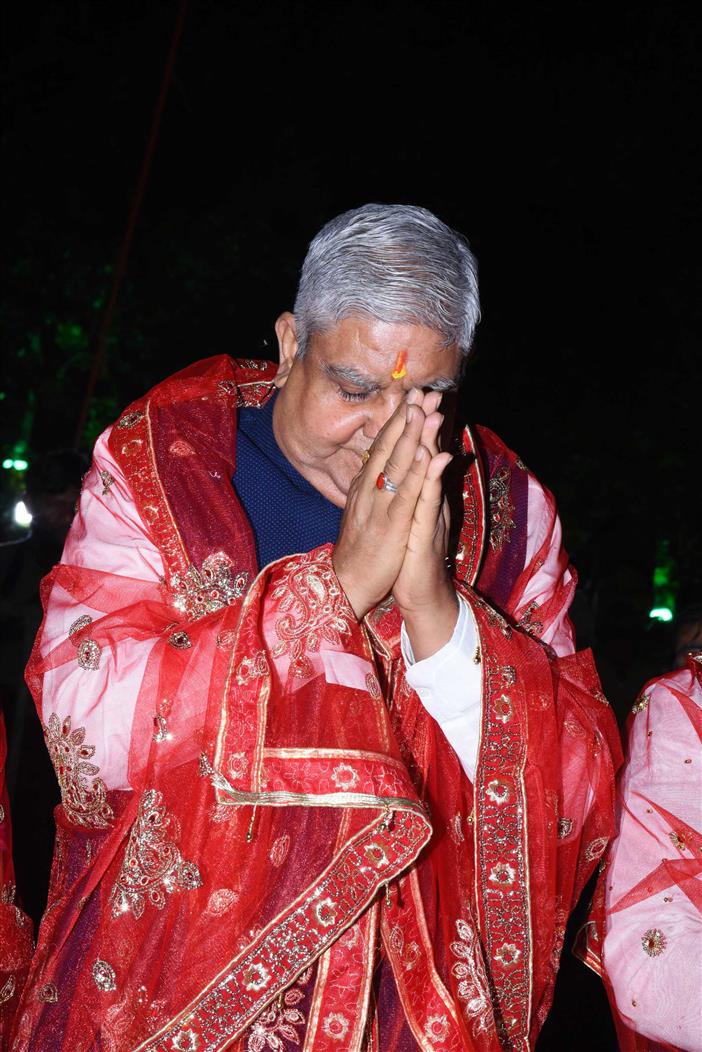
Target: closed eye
[{"x": 353, "y": 396}]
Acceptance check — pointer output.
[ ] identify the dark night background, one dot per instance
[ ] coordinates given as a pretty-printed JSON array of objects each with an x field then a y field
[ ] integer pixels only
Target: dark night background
[{"x": 562, "y": 138}]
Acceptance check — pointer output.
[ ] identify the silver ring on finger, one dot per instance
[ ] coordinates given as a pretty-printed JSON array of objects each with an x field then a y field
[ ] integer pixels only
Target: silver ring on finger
[{"x": 383, "y": 482}]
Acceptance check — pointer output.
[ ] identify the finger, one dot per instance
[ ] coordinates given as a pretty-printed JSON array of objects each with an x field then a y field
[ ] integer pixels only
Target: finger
[
  {"x": 430, "y": 501},
  {"x": 402, "y": 456},
  {"x": 384, "y": 441},
  {"x": 403, "y": 505},
  {"x": 430, "y": 432}
]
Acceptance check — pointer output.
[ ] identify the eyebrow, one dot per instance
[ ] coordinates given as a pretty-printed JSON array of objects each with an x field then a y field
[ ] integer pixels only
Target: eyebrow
[
  {"x": 352, "y": 376},
  {"x": 367, "y": 383}
]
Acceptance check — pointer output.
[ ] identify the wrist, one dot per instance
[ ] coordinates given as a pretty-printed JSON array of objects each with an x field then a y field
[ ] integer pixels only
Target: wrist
[{"x": 429, "y": 626}]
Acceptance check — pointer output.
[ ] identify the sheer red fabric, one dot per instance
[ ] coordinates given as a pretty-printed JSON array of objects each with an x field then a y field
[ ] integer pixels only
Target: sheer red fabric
[
  {"x": 255, "y": 804},
  {"x": 16, "y": 943}
]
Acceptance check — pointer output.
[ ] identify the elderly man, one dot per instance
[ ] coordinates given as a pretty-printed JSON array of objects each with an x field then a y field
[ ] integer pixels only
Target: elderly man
[{"x": 319, "y": 790}]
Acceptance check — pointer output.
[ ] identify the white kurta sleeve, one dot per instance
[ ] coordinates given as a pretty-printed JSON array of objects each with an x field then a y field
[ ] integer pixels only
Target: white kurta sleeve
[{"x": 449, "y": 685}]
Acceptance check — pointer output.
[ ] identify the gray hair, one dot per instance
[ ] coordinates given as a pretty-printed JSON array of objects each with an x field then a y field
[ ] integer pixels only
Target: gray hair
[{"x": 394, "y": 263}]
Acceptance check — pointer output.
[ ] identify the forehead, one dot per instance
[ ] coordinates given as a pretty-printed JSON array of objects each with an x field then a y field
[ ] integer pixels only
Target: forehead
[{"x": 375, "y": 348}]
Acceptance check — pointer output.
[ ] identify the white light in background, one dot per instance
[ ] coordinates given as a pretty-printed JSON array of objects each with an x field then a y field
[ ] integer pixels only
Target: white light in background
[{"x": 21, "y": 515}]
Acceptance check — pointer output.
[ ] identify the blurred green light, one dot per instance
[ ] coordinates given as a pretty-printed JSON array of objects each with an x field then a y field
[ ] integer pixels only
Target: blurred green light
[
  {"x": 661, "y": 613},
  {"x": 20, "y": 465},
  {"x": 7, "y": 463}
]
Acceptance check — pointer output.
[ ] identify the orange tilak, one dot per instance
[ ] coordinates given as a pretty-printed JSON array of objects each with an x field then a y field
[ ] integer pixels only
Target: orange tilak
[{"x": 399, "y": 371}]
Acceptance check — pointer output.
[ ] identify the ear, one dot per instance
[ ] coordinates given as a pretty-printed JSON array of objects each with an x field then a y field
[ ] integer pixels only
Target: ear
[{"x": 287, "y": 347}]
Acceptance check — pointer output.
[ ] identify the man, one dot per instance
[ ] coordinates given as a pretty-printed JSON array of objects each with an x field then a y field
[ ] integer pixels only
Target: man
[
  {"x": 318, "y": 791},
  {"x": 645, "y": 930}
]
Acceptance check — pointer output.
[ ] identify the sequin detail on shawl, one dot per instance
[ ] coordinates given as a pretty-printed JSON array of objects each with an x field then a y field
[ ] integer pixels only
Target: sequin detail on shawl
[
  {"x": 152, "y": 867},
  {"x": 501, "y": 510},
  {"x": 215, "y": 585},
  {"x": 84, "y": 804}
]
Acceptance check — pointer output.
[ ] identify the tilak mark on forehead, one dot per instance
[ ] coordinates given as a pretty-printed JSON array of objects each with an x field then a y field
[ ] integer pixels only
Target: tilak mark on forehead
[{"x": 400, "y": 369}]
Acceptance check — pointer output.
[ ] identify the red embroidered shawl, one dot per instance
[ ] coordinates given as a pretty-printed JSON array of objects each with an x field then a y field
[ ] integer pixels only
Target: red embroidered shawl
[{"x": 286, "y": 801}]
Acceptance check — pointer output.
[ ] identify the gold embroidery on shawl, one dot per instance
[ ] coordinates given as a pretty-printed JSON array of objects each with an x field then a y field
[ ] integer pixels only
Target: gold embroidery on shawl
[
  {"x": 528, "y": 623},
  {"x": 654, "y": 942},
  {"x": 88, "y": 650},
  {"x": 198, "y": 592},
  {"x": 84, "y": 805},
  {"x": 8, "y": 989},
  {"x": 565, "y": 826},
  {"x": 152, "y": 867},
  {"x": 107, "y": 480},
  {"x": 104, "y": 976},
  {"x": 48, "y": 994},
  {"x": 130, "y": 419},
  {"x": 501, "y": 509},
  {"x": 470, "y": 971},
  {"x": 278, "y": 1021},
  {"x": 2, "y": 813},
  {"x": 436, "y": 1028},
  {"x": 641, "y": 703},
  {"x": 180, "y": 640},
  {"x": 314, "y": 607}
]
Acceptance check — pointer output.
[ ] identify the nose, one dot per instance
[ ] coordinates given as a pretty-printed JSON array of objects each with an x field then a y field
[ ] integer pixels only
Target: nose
[{"x": 381, "y": 409}]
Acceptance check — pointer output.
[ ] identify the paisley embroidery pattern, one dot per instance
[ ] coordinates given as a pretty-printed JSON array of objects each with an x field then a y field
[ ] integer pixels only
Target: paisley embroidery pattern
[
  {"x": 501, "y": 511},
  {"x": 215, "y": 585},
  {"x": 152, "y": 867},
  {"x": 88, "y": 650},
  {"x": 84, "y": 804},
  {"x": 314, "y": 608}
]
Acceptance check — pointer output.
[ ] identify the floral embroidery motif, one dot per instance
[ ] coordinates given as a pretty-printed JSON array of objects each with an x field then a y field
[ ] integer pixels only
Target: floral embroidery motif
[
  {"x": 48, "y": 994},
  {"x": 104, "y": 976},
  {"x": 217, "y": 584},
  {"x": 344, "y": 777},
  {"x": 180, "y": 640},
  {"x": 256, "y": 977},
  {"x": 314, "y": 608},
  {"x": 226, "y": 640},
  {"x": 336, "y": 1026},
  {"x": 221, "y": 900},
  {"x": 279, "y": 850},
  {"x": 181, "y": 448},
  {"x": 509, "y": 675},
  {"x": 85, "y": 805},
  {"x": 503, "y": 708},
  {"x": 565, "y": 825},
  {"x": 654, "y": 942},
  {"x": 107, "y": 480},
  {"x": 372, "y": 685},
  {"x": 501, "y": 510},
  {"x": 186, "y": 1041},
  {"x": 160, "y": 733},
  {"x": 641, "y": 703},
  {"x": 502, "y": 873},
  {"x": 470, "y": 971},
  {"x": 508, "y": 954},
  {"x": 88, "y": 650},
  {"x": 238, "y": 765},
  {"x": 595, "y": 848},
  {"x": 252, "y": 668},
  {"x": 436, "y": 1028},
  {"x": 498, "y": 791},
  {"x": 152, "y": 866},
  {"x": 277, "y": 1023},
  {"x": 130, "y": 419},
  {"x": 7, "y": 990},
  {"x": 528, "y": 623},
  {"x": 678, "y": 840}
]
